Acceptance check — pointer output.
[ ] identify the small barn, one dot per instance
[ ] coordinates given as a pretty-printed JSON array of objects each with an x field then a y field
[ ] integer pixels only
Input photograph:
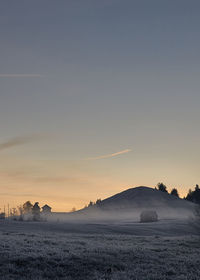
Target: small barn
[{"x": 46, "y": 209}]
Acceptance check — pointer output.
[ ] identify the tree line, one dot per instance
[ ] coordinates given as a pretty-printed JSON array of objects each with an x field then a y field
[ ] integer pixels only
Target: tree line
[{"x": 193, "y": 195}]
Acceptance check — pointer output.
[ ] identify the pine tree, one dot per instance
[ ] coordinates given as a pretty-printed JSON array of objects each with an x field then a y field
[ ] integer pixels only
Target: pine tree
[{"x": 174, "y": 192}]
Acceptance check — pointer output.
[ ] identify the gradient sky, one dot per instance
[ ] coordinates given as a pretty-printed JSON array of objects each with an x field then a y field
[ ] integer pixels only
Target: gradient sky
[{"x": 96, "y": 97}]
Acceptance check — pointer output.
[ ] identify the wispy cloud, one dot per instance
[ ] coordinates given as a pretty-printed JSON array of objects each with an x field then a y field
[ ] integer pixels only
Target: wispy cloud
[
  {"x": 110, "y": 155},
  {"x": 17, "y": 141},
  {"x": 20, "y": 76}
]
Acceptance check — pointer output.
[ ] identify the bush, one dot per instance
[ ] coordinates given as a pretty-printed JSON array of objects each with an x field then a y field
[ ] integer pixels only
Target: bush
[{"x": 148, "y": 216}]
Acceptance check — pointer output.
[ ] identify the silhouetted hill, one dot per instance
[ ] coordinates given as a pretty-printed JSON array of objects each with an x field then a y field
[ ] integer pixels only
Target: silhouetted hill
[
  {"x": 129, "y": 204},
  {"x": 134, "y": 200},
  {"x": 143, "y": 197}
]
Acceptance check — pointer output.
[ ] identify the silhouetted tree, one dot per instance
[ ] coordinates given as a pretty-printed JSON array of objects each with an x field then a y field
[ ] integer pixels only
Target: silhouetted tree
[
  {"x": 161, "y": 187},
  {"x": 27, "y": 207},
  {"x": 189, "y": 195},
  {"x": 20, "y": 210},
  {"x": 36, "y": 211},
  {"x": 91, "y": 204},
  {"x": 98, "y": 201},
  {"x": 194, "y": 196},
  {"x": 13, "y": 212},
  {"x": 174, "y": 192}
]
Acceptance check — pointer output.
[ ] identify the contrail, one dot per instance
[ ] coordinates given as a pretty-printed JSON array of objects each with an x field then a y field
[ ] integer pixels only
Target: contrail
[
  {"x": 20, "y": 76},
  {"x": 110, "y": 155},
  {"x": 17, "y": 141}
]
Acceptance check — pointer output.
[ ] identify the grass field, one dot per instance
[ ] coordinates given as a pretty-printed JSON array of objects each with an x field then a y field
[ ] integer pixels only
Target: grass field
[{"x": 45, "y": 251}]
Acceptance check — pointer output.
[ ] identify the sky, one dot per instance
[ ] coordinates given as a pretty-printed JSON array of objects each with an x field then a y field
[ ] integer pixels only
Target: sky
[{"x": 97, "y": 97}]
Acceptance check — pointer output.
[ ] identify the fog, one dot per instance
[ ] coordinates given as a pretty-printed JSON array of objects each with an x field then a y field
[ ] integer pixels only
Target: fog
[
  {"x": 132, "y": 215},
  {"x": 127, "y": 206}
]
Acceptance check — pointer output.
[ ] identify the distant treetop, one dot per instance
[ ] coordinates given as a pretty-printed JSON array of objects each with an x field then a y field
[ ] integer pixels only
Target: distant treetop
[
  {"x": 27, "y": 207},
  {"x": 161, "y": 187},
  {"x": 174, "y": 192},
  {"x": 194, "y": 196}
]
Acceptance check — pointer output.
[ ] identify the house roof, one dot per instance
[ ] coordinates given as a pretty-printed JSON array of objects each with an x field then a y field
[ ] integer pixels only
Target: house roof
[{"x": 46, "y": 206}]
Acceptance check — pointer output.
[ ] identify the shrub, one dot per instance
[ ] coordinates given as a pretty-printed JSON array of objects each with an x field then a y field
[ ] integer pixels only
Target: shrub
[{"x": 148, "y": 216}]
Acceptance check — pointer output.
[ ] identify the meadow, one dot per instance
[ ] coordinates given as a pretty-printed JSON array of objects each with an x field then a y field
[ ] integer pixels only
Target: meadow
[{"x": 31, "y": 250}]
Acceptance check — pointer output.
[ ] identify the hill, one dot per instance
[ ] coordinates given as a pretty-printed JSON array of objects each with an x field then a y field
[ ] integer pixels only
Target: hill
[
  {"x": 144, "y": 197},
  {"x": 130, "y": 203}
]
